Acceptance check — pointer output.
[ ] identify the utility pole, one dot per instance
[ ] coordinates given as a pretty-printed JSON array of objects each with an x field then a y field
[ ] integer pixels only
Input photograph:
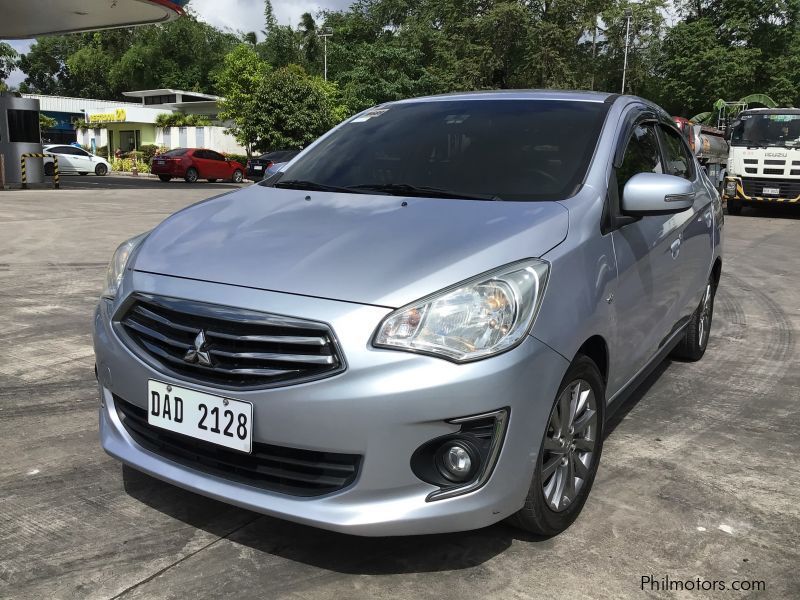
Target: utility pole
[
  {"x": 325, "y": 34},
  {"x": 628, "y": 16}
]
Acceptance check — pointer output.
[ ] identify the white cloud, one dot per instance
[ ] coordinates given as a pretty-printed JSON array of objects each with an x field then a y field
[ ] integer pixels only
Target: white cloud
[{"x": 248, "y": 15}]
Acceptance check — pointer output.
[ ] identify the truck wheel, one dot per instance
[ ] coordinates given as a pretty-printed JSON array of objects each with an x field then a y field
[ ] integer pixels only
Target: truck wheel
[
  {"x": 693, "y": 345},
  {"x": 569, "y": 454},
  {"x": 734, "y": 207}
]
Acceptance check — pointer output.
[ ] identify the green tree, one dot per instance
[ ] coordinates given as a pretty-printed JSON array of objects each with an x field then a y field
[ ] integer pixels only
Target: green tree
[
  {"x": 239, "y": 81},
  {"x": 295, "y": 109},
  {"x": 8, "y": 61}
]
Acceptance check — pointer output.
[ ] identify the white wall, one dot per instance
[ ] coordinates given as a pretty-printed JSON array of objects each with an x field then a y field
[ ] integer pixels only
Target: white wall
[
  {"x": 85, "y": 137},
  {"x": 211, "y": 137}
]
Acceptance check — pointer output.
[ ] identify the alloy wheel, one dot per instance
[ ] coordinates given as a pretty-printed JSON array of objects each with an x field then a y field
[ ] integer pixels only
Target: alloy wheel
[
  {"x": 569, "y": 445},
  {"x": 704, "y": 323}
]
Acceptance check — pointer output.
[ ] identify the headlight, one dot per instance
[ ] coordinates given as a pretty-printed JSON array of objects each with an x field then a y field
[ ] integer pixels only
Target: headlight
[
  {"x": 480, "y": 317},
  {"x": 116, "y": 268}
]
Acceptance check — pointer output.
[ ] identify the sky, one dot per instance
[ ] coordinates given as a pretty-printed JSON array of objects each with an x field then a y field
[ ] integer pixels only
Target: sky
[{"x": 238, "y": 15}]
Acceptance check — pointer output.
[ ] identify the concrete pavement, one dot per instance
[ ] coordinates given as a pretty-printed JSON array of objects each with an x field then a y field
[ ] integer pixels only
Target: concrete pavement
[{"x": 699, "y": 476}]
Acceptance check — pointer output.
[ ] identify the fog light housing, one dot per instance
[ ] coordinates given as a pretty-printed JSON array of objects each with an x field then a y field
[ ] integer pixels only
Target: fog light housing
[
  {"x": 462, "y": 461},
  {"x": 730, "y": 188},
  {"x": 457, "y": 460}
]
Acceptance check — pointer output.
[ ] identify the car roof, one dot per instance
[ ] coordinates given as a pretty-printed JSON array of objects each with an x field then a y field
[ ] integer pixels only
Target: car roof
[{"x": 558, "y": 95}]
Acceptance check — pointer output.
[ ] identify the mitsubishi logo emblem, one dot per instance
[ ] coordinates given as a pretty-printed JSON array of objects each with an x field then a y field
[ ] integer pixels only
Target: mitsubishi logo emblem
[{"x": 199, "y": 353}]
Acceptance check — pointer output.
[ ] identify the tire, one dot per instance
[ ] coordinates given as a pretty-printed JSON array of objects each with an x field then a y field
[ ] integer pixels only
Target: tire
[
  {"x": 191, "y": 175},
  {"x": 539, "y": 515},
  {"x": 101, "y": 170},
  {"x": 734, "y": 207},
  {"x": 238, "y": 176},
  {"x": 164, "y": 178},
  {"x": 49, "y": 169},
  {"x": 694, "y": 343},
  {"x": 212, "y": 181}
]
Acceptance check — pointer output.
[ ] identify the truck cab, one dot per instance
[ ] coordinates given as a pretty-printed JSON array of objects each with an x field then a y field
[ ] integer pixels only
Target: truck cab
[{"x": 764, "y": 162}]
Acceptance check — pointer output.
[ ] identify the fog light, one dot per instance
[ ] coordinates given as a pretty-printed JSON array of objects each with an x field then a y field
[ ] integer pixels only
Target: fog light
[{"x": 456, "y": 461}]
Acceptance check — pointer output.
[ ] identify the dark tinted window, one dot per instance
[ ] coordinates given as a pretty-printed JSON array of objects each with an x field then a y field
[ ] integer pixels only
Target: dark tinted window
[
  {"x": 214, "y": 155},
  {"x": 641, "y": 155},
  {"x": 23, "y": 126},
  {"x": 679, "y": 161},
  {"x": 279, "y": 155},
  {"x": 511, "y": 149},
  {"x": 176, "y": 152}
]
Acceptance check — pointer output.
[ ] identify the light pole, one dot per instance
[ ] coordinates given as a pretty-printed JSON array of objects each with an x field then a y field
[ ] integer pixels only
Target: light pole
[
  {"x": 628, "y": 16},
  {"x": 326, "y": 32}
]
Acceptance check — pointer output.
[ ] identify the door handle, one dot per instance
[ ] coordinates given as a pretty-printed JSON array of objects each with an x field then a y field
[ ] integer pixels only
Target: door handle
[{"x": 675, "y": 248}]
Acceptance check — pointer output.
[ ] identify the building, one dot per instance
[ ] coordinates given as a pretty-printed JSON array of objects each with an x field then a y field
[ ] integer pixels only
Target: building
[{"x": 130, "y": 125}]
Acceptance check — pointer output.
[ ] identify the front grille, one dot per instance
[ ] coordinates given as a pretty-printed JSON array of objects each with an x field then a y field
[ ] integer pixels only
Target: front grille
[
  {"x": 754, "y": 186},
  {"x": 773, "y": 171},
  {"x": 275, "y": 468},
  {"x": 226, "y": 346}
]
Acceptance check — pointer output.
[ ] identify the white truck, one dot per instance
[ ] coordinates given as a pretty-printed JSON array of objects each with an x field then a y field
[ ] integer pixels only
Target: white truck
[{"x": 764, "y": 161}]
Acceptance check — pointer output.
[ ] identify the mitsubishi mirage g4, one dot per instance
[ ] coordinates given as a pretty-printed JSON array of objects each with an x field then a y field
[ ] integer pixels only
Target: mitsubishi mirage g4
[{"x": 422, "y": 322}]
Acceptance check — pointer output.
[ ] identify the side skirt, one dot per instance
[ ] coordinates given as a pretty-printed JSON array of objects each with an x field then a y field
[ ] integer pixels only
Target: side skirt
[{"x": 621, "y": 396}]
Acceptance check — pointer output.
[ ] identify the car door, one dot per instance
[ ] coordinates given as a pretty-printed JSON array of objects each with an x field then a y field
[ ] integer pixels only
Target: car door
[
  {"x": 65, "y": 162},
  {"x": 221, "y": 167},
  {"x": 695, "y": 226},
  {"x": 202, "y": 164},
  {"x": 82, "y": 160},
  {"x": 645, "y": 303}
]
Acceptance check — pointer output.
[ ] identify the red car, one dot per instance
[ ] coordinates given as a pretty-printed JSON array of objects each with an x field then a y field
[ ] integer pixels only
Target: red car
[{"x": 196, "y": 163}]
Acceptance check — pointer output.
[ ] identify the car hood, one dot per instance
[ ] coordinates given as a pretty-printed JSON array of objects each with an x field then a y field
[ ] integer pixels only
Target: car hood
[{"x": 369, "y": 249}]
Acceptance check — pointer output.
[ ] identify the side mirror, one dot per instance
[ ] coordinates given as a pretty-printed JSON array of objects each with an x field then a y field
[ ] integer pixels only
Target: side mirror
[{"x": 648, "y": 194}]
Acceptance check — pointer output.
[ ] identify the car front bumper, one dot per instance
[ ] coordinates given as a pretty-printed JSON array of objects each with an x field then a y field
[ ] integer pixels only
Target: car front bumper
[{"x": 383, "y": 407}]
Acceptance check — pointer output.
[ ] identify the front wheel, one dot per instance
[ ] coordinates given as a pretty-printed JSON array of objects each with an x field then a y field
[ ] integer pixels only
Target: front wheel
[
  {"x": 695, "y": 340},
  {"x": 238, "y": 176},
  {"x": 569, "y": 453},
  {"x": 734, "y": 207},
  {"x": 191, "y": 175},
  {"x": 101, "y": 170}
]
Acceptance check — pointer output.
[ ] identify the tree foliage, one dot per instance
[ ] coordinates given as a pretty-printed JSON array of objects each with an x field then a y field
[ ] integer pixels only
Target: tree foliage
[
  {"x": 8, "y": 61},
  {"x": 383, "y": 50}
]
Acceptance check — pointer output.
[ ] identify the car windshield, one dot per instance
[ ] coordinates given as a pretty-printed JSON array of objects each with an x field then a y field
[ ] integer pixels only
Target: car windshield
[
  {"x": 767, "y": 130},
  {"x": 522, "y": 150}
]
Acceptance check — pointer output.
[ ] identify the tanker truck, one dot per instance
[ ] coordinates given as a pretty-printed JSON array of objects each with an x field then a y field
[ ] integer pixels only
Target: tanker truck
[
  {"x": 709, "y": 146},
  {"x": 764, "y": 161}
]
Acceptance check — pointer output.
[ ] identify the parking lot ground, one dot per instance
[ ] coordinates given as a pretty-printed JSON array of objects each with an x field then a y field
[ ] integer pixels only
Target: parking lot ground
[{"x": 700, "y": 476}]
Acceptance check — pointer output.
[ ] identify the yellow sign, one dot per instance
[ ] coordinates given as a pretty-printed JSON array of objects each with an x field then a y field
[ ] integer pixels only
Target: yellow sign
[{"x": 118, "y": 116}]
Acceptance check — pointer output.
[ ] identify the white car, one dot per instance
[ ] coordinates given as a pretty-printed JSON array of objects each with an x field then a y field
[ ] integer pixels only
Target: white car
[{"x": 72, "y": 159}]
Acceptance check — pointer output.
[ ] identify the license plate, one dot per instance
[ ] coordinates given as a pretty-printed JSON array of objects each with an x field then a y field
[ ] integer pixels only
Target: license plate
[
  {"x": 258, "y": 167},
  {"x": 222, "y": 421},
  {"x": 770, "y": 191}
]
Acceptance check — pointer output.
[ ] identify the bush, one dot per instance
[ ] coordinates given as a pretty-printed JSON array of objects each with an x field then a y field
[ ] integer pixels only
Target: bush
[
  {"x": 102, "y": 151},
  {"x": 125, "y": 165},
  {"x": 240, "y": 158},
  {"x": 181, "y": 120},
  {"x": 148, "y": 151}
]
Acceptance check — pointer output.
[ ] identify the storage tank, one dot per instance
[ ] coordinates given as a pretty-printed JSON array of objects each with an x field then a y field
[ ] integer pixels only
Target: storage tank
[{"x": 20, "y": 134}]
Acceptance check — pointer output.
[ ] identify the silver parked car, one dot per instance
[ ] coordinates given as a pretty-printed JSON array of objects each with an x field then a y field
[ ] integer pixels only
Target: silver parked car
[{"x": 424, "y": 323}]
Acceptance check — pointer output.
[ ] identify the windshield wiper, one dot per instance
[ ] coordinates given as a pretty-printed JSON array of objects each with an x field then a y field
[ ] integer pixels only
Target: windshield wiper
[
  {"x": 405, "y": 189},
  {"x": 303, "y": 184}
]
